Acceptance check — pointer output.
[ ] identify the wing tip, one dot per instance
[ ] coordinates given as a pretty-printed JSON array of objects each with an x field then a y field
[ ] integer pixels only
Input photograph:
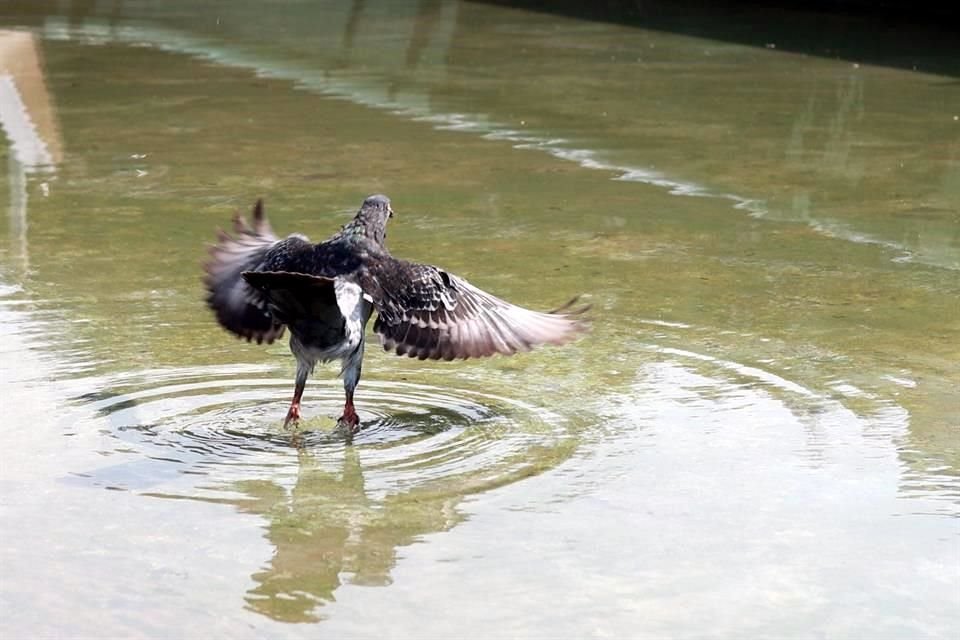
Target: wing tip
[
  {"x": 558, "y": 327},
  {"x": 567, "y": 308}
]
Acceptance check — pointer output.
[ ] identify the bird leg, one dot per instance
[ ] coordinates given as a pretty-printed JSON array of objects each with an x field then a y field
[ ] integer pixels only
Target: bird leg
[
  {"x": 349, "y": 417},
  {"x": 293, "y": 414},
  {"x": 351, "y": 376}
]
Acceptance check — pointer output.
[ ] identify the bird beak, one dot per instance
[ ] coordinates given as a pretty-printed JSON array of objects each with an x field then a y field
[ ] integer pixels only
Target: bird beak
[{"x": 390, "y": 210}]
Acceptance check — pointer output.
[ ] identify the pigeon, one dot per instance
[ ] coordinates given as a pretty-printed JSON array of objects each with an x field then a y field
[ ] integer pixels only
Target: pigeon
[{"x": 258, "y": 286}]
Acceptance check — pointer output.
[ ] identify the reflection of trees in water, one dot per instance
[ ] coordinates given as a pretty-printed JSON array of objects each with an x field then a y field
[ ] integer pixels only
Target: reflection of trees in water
[
  {"x": 838, "y": 162},
  {"x": 842, "y": 110},
  {"x": 28, "y": 122},
  {"x": 327, "y": 531}
]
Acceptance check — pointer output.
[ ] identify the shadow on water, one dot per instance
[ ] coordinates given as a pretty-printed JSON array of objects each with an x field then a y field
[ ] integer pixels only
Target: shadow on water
[{"x": 912, "y": 36}]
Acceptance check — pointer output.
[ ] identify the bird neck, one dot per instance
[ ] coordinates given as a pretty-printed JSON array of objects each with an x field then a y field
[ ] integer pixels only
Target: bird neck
[{"x": 367, "y": 227}]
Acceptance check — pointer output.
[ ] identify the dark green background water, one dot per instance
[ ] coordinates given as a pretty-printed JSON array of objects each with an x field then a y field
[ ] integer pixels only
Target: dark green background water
[{"x": 760, "y": 436}]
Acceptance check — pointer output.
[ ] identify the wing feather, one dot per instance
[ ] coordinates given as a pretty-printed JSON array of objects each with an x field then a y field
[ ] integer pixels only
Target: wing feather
[
  {"x": 424, "y": 312},
  {"x": 238, "y": 307}
]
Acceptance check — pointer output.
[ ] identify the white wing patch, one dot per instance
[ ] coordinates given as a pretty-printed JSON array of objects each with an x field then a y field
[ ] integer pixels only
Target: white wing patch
[{"x": 355, "y": 307}]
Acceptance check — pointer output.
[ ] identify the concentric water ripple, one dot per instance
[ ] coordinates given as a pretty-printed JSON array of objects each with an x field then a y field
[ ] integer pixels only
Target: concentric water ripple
[{"x": 207, "y": 422}]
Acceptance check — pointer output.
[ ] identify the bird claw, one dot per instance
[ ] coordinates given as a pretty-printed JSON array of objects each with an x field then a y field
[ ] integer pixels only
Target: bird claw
[
  {"x": 349, "y": 420},
  {"x": 293, "y": 415}
]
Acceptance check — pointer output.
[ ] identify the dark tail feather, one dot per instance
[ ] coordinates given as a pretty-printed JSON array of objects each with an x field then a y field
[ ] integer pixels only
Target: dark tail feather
[{"x": 261, "y": 226}]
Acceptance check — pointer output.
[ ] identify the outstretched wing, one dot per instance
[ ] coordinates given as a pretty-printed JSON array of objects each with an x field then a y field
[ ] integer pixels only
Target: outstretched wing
[
  {"x": 240, "y": 308},
  {"x": 425, "y": 312}
]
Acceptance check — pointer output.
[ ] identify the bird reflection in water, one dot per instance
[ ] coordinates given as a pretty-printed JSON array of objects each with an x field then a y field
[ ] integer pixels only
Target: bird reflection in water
[{"x": 328, "y": 531}]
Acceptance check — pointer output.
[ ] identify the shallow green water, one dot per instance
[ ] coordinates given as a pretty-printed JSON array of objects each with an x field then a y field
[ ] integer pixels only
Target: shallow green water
[{"x": 760, "y": 435}]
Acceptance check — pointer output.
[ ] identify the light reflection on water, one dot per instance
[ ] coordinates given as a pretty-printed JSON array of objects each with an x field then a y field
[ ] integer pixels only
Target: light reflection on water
[
  {"x": 695, "y": 446},
  {"x": 744, "y": 504},
  {"x": 750, "y": 461}
]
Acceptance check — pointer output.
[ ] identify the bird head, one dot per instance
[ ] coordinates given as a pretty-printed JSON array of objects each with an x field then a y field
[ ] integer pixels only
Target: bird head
[
  {"x": 373, "y": 216},
  {"x": 378, "y": 204}
]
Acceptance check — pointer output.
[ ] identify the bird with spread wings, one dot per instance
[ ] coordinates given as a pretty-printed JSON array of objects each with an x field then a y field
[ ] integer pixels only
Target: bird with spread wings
[{"x": 258, "y": 286}]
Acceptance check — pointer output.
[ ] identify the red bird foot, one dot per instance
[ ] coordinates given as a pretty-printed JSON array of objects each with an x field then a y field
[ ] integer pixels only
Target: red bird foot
[
  {"x": 293, "y": 415},
  {"x": 349, "y": 419}
]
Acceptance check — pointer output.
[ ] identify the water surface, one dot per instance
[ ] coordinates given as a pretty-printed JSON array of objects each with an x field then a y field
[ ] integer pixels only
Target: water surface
[{"x": 760, "y": 436}]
